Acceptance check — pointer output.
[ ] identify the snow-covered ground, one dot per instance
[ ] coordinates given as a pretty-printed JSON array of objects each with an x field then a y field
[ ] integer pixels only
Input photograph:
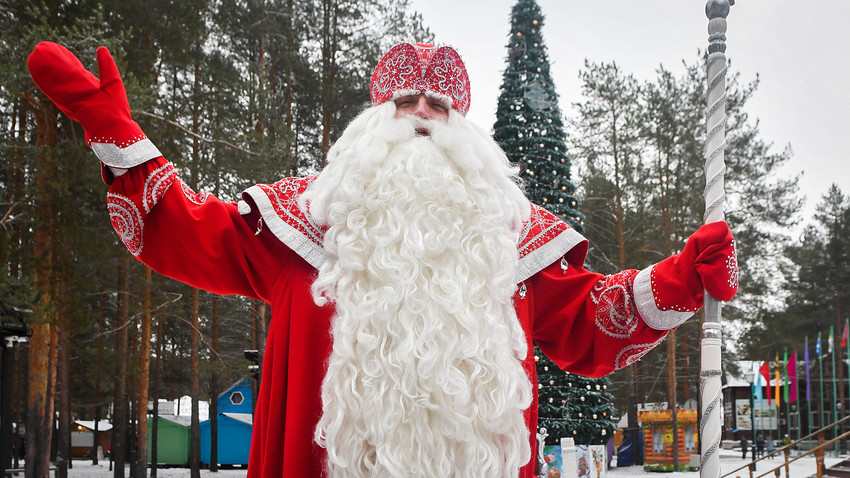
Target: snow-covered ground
[{"x": 729, "y": 460}]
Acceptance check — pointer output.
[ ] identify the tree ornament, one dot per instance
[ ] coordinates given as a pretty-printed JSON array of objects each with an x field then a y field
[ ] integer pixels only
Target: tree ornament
[
  {"x": 536, "y": 358},
  {"x": 537, "y": 97}
]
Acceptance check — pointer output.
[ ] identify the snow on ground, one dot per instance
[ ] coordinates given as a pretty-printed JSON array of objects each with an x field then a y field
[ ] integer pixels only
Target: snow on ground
[{"x": 729, "y": 460}]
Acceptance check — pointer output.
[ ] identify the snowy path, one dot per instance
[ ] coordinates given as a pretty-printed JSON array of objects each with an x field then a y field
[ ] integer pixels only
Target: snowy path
[{"x": 729, "y": 460}]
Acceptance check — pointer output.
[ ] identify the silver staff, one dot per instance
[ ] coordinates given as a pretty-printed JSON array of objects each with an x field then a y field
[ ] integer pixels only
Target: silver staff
[{"x": 715, "y": 143}]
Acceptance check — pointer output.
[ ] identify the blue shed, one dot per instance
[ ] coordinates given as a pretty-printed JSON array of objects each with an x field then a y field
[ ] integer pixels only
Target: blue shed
[{"x": 235, "y": 422}]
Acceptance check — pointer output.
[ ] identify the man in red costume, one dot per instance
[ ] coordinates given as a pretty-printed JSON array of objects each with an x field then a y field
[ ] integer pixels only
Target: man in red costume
[{"x": 407, "y": 280}]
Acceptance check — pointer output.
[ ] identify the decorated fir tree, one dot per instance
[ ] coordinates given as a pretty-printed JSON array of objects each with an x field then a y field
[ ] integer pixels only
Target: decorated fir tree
[
  {"x": 573, "y": 406},
  {"x": 530, "y": 129},
  {"x": 529, "y": 124}
]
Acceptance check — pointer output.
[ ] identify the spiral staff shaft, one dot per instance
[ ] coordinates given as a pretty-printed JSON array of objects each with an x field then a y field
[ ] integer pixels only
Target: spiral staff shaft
[{"x": 715, "y": 167}]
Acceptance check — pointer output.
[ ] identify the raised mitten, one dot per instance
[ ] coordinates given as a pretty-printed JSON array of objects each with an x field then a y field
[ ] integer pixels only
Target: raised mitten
[
  {"x": 98, "y": 104},
  {"x": 669, "y": 292}
]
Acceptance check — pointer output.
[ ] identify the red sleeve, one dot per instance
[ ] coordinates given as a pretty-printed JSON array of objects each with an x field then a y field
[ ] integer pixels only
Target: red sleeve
[
  {"x": 586, "y": 322},
  {"x": 192, "y": 237}
]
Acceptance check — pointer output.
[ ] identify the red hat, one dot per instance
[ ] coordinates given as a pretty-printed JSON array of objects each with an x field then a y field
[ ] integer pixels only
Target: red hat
[{"x": 421, "y": 68}]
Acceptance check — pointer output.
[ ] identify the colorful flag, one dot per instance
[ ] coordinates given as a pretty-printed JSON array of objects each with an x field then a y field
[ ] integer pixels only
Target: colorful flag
[
  {"x": 778, "y": 400},
  {"x": 817, "y": 346},
  {"x": 765, "y": 372},
  {"x": 844, "y": 335},
  {"x": 785, "y": 372},
  {"x": 808, "y": 382},
  {"x": 791, "y": 368},
  {"x": 759, "y": 395},
  {"x": 830, "y": 339}
]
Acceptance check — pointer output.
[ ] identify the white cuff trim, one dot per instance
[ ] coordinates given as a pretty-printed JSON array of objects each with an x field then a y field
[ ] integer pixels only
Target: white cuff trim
[
  {"x": 647, "y": 308},
  {"x": 133, "y": 155}
]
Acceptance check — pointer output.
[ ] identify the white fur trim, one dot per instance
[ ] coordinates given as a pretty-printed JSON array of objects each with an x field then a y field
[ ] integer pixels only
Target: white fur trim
[
  {"x": 548, "y": 253},
  {"x": 133, "y": 155},
  {"x": 302, "y": 245},
  {"x": 647, "y": 308},
  {"x": 407, "y": 92},
  {"x": 445, "y": 99}
]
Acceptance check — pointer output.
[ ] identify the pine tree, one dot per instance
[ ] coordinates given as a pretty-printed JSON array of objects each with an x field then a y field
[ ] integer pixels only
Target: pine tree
[
  {"x": 572, "y": 405},
  {"x": 529, "y": 125},
  {"x": 530, "y": 130}
]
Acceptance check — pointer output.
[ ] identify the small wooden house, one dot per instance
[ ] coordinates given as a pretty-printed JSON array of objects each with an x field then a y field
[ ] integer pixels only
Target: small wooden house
[
  {"x": 235, "y": 424},
  {"x": 658, "y": 436},
  {"x": 83, "y": 437},
  {"x": 172, "y": 439}
]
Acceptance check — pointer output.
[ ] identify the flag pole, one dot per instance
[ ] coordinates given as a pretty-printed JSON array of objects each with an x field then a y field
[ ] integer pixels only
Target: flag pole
[
  {"x": 820, "y": 361},
  {"x": 715, "y": 144},
  {"x": 832, "y": 351},
  {"x": 808, "y": 392}
]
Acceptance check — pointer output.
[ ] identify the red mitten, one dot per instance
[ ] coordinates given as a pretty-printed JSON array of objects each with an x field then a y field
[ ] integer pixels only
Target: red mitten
[
  {"x": 98, "y": 104},
  {"x": 670, "y": 291}
]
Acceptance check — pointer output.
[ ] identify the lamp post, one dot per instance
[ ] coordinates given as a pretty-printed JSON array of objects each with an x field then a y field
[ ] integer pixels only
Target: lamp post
[{"x": 750, "y": 376}]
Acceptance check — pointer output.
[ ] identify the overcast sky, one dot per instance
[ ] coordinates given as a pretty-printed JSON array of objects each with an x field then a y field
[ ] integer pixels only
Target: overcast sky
[{"x": 799, "y": 49}]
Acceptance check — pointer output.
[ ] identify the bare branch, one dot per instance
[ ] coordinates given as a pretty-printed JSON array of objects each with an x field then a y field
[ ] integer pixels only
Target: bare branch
[{"x": 192, "y": 134}]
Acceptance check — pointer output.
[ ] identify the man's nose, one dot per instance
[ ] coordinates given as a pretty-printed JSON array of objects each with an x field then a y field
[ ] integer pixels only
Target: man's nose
[{"x": 422, "y": 110}]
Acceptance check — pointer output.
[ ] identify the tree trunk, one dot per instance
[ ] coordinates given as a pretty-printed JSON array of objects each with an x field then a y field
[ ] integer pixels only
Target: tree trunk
[
  {"x": 63, "y": 405},
  {"x": 101, "y": 328},
  {"x": 155, "y": 393},
  {"x": 214, "y": 389},
  {"x": 119, "y": 425},
  {"x": 329, "y": 48},
  {"x": 195, "y": 432},
  {"x": 144, "y": 372},
  {"x": 39, "y": 400}
]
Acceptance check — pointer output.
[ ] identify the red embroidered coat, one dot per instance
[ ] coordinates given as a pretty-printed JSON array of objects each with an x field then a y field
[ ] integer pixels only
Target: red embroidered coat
[{"x": 264, "y": 247}]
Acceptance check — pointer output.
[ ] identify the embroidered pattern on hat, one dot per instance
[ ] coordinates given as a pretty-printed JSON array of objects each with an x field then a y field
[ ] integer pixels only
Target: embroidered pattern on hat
[
  {"x": 421, "y": 69},
  {"x": 126, "y": 219},
  {"x": 615, "y": 307}
]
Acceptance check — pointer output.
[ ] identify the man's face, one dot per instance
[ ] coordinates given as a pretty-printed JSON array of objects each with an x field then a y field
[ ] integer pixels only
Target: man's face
[{"x": 422, "y": 106}]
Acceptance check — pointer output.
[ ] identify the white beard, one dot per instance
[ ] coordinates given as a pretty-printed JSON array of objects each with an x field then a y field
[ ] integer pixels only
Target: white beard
[{"x": 425, "y": 378}]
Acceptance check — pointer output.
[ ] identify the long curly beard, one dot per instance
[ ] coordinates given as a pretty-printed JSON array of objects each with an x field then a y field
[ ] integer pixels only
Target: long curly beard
[{"x": 425, "y": 378}]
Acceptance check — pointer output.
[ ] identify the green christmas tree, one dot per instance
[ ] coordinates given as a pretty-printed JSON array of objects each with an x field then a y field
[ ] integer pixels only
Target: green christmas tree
[
  {"x": 572, "y": 405},
  {"x": 529, "y": 125},
  {"x": 530, "y": 129}
]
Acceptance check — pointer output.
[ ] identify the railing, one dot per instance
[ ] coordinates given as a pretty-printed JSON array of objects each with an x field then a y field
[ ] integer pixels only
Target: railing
[{"x": 786, "y": 451}]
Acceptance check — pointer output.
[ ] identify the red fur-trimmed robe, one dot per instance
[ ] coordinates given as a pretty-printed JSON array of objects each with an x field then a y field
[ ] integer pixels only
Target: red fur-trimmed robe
[{"x": 266, "y": 248}]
